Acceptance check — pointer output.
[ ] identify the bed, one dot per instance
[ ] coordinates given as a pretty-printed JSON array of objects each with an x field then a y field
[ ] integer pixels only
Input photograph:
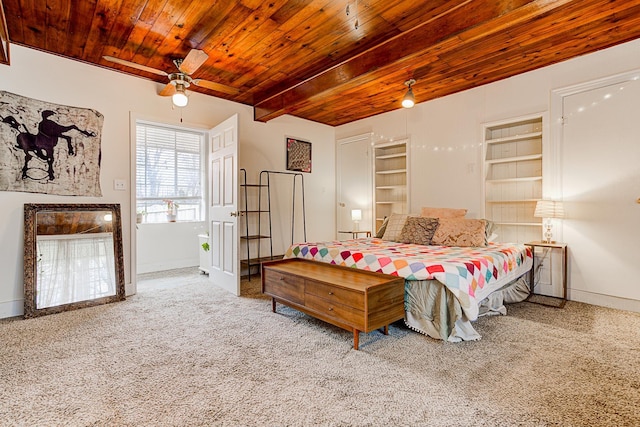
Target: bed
[{"x": 446, "y": 287}]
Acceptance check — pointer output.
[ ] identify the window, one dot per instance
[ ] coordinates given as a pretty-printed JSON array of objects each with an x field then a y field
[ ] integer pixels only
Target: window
[{"x": 169, "y": 167}]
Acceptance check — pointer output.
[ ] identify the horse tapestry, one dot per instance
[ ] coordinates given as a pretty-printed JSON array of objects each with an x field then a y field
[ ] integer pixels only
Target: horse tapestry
[{"x": 31, "y": 158}]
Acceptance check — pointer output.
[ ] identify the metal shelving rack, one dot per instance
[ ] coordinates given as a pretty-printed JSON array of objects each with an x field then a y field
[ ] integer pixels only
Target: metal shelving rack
[
  {"x": 247, "y": 213},
  {"x": 266, "y": 233}
]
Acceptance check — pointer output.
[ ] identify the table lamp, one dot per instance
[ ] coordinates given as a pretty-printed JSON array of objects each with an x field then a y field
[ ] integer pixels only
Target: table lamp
[
  {"x": 356, "y": 216},
  {"x": 548, "y": 210}
]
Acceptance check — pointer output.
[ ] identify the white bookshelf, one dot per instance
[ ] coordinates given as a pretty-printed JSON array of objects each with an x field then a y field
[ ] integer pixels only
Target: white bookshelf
[
  {"x": 513, "y": 176},
  {"x": 390, "y": 179}
]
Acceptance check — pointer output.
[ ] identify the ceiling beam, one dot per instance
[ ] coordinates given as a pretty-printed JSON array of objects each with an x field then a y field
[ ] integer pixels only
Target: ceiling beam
[{"x": 464, "y": 23}]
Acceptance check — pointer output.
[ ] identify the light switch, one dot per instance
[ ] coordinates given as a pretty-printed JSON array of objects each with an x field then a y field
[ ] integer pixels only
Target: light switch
[{"x": 119, "y": 184}]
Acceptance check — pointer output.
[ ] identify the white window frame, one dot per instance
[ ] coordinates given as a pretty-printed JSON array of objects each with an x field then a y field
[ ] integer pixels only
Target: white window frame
[{"x": 156, "y": 212}]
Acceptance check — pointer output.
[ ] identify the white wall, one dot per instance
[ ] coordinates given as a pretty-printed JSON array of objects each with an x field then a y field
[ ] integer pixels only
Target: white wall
[
  {"x": 446, "y": 149},
  {"x": 445, "y": 160},
  {"x": 118, "y": 97},
  {"x": 165, "y": 246},
  {"x": 262, "y": 147}
]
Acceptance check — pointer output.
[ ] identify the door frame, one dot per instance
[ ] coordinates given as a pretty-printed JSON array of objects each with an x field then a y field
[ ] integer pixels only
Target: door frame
[
  {"x": 557, "y": 122},
  {"x": 368, "y": 137},
  {"x": 131, "y": 287},
  {"x": 553, "y": 180}
]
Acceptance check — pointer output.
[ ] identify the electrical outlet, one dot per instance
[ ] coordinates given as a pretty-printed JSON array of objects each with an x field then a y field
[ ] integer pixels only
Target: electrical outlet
[{"x": 119, "y": 184}]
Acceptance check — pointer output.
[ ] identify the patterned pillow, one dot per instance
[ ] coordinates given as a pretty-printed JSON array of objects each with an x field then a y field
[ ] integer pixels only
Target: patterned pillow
[
  {"x": 418, "y": 230},
  {"x": 442, "y": 212},
  {"x": 382, "y": 228},
  {"x": 460, "y": 232},
  {"x": 394, "y": 227},
  {"x": 489, "y": 231}
]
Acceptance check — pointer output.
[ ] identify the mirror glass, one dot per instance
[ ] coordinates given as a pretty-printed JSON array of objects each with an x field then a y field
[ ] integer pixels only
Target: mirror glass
[{"x": 73, "y": 257}]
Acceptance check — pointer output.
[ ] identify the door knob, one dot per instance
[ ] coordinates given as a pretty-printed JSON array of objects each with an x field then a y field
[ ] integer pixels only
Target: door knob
[
  {"x": 236, "y": 213},
  {"x": 638, "y": 201}
]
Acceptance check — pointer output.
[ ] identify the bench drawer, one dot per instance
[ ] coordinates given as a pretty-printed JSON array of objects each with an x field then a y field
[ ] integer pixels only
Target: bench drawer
[
  {"x": 339, "y": 312},
  {"x": 346, "y": 297},
  {"x": 284, "y": 286}
]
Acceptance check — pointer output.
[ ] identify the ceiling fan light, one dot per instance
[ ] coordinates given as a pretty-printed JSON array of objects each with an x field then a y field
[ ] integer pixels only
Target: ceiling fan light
[
  {"x": 409, "y": 100},
  {"x": 180, "y": 97}
]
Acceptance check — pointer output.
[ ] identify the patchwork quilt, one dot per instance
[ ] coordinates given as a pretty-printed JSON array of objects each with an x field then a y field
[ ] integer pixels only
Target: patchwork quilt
[{"x": 470, "y": 273}]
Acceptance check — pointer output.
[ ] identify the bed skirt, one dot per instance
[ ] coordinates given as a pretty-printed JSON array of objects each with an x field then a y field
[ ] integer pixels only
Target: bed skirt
[{"x": 432, "y": 310}]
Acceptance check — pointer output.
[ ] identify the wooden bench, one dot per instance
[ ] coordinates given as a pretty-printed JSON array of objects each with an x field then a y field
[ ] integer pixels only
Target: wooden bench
[{"x": 355, "y": 300}]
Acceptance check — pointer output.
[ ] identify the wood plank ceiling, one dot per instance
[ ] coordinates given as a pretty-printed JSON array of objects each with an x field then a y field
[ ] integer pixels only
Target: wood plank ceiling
[{"x": 307, "y": 58}]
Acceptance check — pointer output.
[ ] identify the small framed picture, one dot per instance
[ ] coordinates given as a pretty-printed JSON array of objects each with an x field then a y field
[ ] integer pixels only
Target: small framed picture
[{"x": 298, "y": 155}]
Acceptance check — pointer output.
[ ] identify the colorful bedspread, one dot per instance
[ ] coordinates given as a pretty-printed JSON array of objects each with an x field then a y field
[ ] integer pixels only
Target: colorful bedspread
[{"x": 470, "y": 273}]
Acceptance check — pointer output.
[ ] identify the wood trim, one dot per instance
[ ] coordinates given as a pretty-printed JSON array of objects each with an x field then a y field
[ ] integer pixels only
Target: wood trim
[
  {"x": 445, "y": 32},
  {"x": 4, "y": 38}
]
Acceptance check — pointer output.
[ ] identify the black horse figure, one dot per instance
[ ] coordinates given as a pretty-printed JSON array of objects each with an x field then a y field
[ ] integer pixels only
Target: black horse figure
[{"x": 42, "y": 143}]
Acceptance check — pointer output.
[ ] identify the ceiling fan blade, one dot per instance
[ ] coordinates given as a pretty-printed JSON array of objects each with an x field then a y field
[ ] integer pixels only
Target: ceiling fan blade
[
  {"x": 194, "y": 59},
  {"x": 134, "y": 65},
  {"x": 168, "y": 90},
  {"x": 216, "y": 86}
]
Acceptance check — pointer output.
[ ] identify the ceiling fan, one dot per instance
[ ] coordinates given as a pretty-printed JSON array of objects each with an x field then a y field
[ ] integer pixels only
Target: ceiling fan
[{"x": 181, "y": 80}]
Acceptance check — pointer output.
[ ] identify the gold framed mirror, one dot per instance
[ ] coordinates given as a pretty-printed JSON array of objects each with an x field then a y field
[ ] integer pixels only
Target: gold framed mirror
[{"x": 73, "y": 257}]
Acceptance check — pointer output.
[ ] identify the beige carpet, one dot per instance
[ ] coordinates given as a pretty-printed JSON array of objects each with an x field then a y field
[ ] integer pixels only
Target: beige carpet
[{"x": 184, "y": 353}]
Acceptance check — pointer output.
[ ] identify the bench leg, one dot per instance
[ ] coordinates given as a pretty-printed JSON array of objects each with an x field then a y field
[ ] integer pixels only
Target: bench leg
[
  {"x": 356, "y": 339},
  {"x": 386, "y": 329},
  {"x": 273, "y": 305}
]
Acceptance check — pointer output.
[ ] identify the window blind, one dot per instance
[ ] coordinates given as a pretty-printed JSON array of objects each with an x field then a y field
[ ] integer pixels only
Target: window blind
[{"x": 169, "y": 166}]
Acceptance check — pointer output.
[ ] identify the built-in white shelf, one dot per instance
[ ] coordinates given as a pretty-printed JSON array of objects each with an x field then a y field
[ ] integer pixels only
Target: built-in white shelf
[
  {"x": 391, "y": 156},
  {"x": 390, "y": 187},
  {"x": 391, "y": 171},
  {"x": 391, "y": 179},
  {"x": 522, "y": 179},
  {"x": 513, "y": 138},
  {"x": 513, "y": 201},
  {"x": 513, "y": 176},
  {"x": 515, "y": 159}
]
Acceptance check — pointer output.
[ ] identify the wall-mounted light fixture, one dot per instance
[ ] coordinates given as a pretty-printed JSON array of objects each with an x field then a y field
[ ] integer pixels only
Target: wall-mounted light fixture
[{"x": 409, "y": 100}]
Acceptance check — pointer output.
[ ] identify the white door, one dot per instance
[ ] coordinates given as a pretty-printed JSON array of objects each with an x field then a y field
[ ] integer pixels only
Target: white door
[
  {"x": 601, "y": 185},
  {"x": 224, "y": 270},
  {"x": 354, "y": 184}
]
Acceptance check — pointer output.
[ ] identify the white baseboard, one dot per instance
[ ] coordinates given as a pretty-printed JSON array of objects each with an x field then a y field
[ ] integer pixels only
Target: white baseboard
[
  {"x": 16, "y": 307},
  {"x": 165, "y": 265},
  {"x": 605, "y": 300},
  {"x": 11, "y": 308},
  {"x": 129, "y": 289}
]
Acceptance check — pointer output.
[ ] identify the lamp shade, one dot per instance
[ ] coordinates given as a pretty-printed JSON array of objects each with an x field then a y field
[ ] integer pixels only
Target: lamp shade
[
  {"x": 409, "y": 100},
  {"x": 356, "y": 215},
  {"x": 180, "y": 97},
  {"x": 549, "y": 209}
]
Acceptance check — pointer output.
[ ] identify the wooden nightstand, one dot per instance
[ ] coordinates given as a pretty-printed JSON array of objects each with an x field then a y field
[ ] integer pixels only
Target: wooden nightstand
[
  {"x": 552, "y": 245},
  {"x": 367, "y": 233}
]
